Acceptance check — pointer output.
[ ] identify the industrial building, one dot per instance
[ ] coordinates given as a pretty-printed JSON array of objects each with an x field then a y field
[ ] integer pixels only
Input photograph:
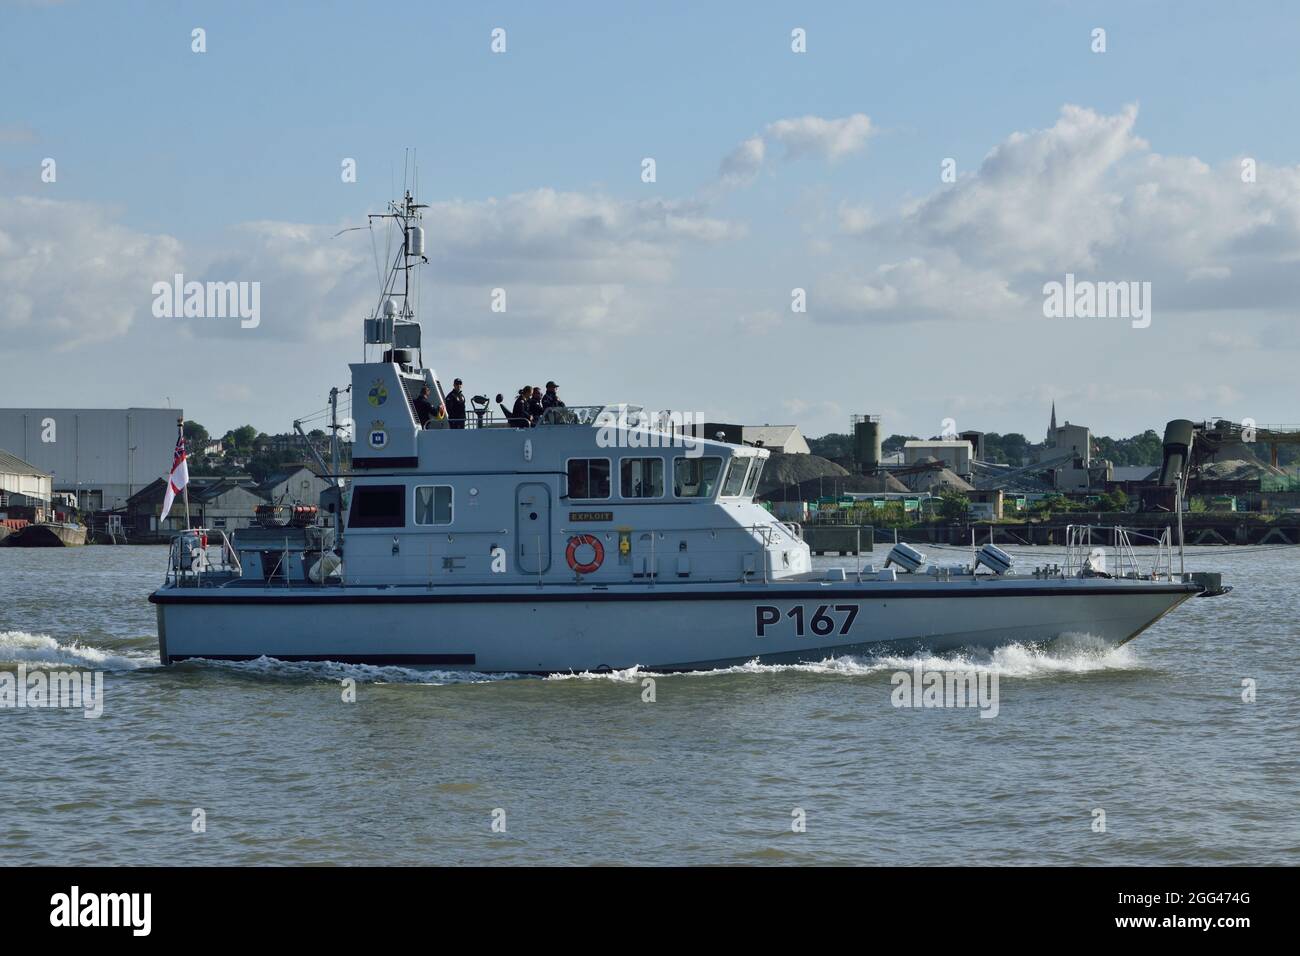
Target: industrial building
[
  {"x": 224, "y": 503},
  {"x": 955, "y": 455},
  {"x": 101, "y": 455},
  {"x": 23, "y": 480},
  {"x": 1069, "y": 448},
  {"x": 780, "y": 439}
]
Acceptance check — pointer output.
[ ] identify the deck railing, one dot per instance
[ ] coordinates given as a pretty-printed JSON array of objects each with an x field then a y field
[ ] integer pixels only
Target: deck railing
[
  {"x": 189, "y": 557},
  {"x": 1080, "y": 548}
]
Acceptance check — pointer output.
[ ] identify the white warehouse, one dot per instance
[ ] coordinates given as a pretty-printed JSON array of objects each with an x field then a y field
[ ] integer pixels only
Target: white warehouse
[{"x": 102, "y": 455}]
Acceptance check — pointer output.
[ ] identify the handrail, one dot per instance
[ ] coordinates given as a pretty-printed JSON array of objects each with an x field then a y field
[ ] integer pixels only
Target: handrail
[
  {"x": 766, "y": 529},
  {"x": 177, "y": 574},
  {"x": 1078, "y": 545}
]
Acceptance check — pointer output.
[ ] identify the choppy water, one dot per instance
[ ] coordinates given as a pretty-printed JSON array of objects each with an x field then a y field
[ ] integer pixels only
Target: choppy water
[{"x": 1155, "y": 733}]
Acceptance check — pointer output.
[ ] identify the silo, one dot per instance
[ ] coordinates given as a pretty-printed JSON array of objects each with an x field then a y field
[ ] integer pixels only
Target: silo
[{"x": 866, "y": 442}]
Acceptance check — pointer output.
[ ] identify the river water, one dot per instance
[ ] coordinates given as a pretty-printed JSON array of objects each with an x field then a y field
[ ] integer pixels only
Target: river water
[{"x": 264, "y": 762}]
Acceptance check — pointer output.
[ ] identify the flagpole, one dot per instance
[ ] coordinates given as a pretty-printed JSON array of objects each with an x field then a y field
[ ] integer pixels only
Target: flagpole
[{"x": 180, "y": 423}]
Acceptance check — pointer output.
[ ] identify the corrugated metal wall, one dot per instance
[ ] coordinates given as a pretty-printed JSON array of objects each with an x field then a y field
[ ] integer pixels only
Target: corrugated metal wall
[{"x": 117, "y": 450}]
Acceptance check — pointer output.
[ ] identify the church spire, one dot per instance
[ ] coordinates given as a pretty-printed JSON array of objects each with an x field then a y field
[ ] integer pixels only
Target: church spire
[{"x": 1051, "y": 429}]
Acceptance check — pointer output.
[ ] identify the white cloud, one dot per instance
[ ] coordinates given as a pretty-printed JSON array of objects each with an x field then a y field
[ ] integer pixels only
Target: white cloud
[
  {"x": 312, "y": 286},
  {"x": 914, "y": 289},
  {"x": 535, "y": 309},
  {"x": 1039, "y": 201},
  {"x": 70, "y": 274},
  {"x": 1088, "y": 196},
  {"x": 550, "y": 236},
  {"x": 829, "y": 139},
  {"x": 854, "y": 220},
  {"x": 742, "y": 165},
  {"x": 566, "y": 260},
  {"x": 804, "y": 136}
]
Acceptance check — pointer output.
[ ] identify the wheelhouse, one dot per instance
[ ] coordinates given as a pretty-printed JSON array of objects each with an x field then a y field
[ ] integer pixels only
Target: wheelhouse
[{"x": 644, "y": 506}]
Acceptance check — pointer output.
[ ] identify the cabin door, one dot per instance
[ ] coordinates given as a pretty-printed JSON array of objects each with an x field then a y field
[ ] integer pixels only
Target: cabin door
[{"x": 533, "y": 528}]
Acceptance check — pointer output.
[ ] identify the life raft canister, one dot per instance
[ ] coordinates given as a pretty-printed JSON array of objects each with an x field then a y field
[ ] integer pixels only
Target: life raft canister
[{"x": 571, "y": 553}]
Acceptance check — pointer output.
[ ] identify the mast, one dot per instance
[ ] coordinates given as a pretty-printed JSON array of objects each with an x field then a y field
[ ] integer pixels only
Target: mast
[
  {"x": 334, "y": 434},
  {"x": 406, "y": 215}
]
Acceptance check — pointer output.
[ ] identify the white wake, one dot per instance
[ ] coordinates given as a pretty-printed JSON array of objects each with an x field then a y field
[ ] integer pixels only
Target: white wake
[
  {"x": 1076, "y": 654},
  {"x": 274, "y": 669},
  {"x": 42, "y": 650}
]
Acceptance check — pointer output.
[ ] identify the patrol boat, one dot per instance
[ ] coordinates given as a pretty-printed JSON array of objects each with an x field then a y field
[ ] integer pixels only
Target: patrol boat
[{"x": 598, "y": 539}]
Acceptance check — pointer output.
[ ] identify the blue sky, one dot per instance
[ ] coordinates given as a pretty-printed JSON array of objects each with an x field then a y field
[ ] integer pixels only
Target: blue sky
[{"x": 226, "y": 164}]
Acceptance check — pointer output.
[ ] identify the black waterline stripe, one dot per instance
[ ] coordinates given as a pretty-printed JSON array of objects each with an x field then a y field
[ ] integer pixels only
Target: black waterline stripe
[{"x": 378, "y": 659}]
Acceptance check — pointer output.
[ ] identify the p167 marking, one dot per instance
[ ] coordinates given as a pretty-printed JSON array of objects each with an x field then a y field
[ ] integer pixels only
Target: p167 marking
[{"x": 821, "y": 622}]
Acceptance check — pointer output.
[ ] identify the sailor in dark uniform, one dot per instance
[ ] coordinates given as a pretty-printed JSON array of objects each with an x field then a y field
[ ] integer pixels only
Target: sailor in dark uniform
[
  {"x": 455, "y": 402},
  {"x": 551, "y": 399},
  {"x": 519, "y": 417},
  {"x": 423, "y": 407},
  {"x": 535, "y": 407}
]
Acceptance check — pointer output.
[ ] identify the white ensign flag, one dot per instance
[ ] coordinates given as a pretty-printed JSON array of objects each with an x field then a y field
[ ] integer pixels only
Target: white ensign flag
[{"x": 178, "y": 479}]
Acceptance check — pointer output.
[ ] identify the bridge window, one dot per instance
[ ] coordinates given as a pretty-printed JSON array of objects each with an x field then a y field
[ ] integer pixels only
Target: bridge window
[
  {"x": 751, "y": 483},
  {"x": 588, "y": 477},
  {"x": 696, "y": 477},
  {"x": 734, "y": 483},
  {"x": 433, "y": 504},
  {"x": 641, "y": 477},
  {"x": 378, "y": 506}
]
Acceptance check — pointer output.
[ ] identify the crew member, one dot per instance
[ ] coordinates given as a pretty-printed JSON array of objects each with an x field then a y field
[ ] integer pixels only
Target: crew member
[
  {"x": 535, "y": 408},
  {"x": 456, "y": 406},
  {"x": 551, "y": 399},
  {"x": 424, "y": 409},
  {"x": 519, "y": 417}
]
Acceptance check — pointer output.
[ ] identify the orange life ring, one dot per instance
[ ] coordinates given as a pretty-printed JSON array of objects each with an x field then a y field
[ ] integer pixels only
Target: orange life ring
[{"x": 571, "y": 553}]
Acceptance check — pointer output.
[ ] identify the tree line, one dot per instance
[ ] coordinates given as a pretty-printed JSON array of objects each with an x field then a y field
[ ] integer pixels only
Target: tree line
[{"x": 247, "y": 451}]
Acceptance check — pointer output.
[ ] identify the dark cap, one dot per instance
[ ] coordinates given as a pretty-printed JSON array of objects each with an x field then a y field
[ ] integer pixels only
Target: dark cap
[
  {"x": 458, "y": 382},
  {"x": 551, "y": 385}
]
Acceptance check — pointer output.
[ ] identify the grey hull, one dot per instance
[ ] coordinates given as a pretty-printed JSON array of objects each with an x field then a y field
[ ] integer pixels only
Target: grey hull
[{"x": 527, "y": 630}]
